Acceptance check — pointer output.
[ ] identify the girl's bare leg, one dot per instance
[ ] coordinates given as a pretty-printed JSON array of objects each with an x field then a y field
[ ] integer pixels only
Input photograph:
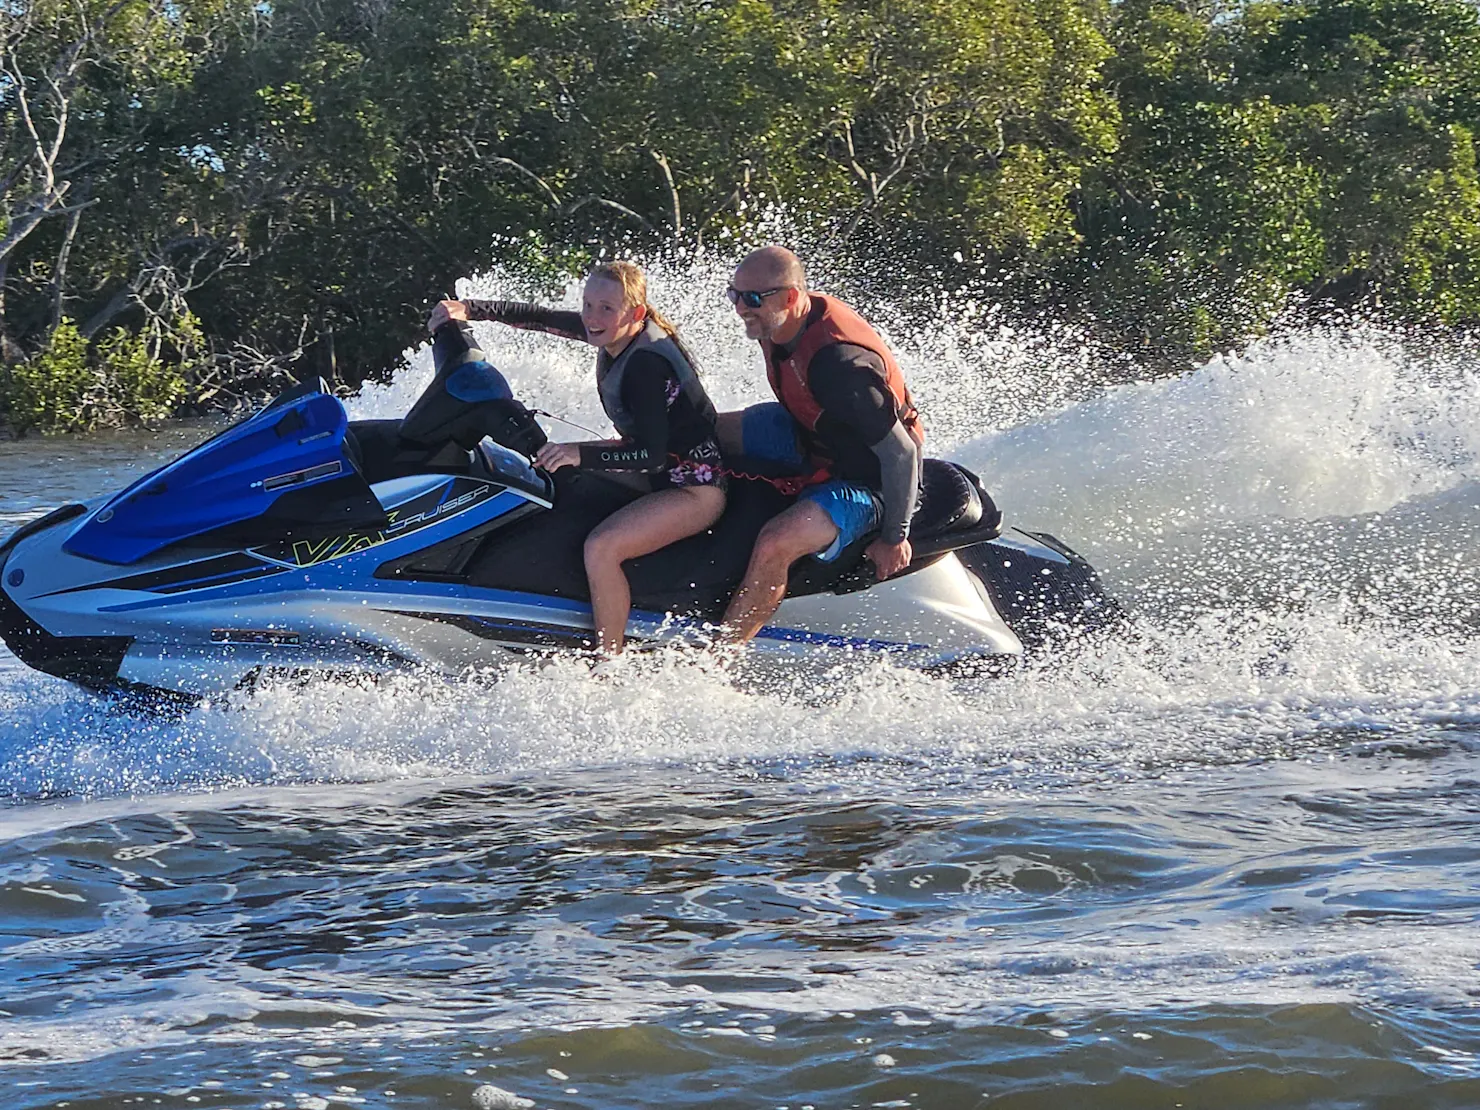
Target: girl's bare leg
[{"x": 646, "y": 525}]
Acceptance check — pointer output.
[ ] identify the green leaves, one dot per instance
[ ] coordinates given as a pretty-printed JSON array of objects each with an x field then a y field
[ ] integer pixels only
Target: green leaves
[
  {"x": 1286, "y": 149},
  {"x": 304, "y": 178},
  {"x": 73, "y": 386}
]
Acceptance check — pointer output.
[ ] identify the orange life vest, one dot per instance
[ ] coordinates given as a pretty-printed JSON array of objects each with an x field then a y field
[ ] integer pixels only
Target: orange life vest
[{"x": 790, "y": 382}]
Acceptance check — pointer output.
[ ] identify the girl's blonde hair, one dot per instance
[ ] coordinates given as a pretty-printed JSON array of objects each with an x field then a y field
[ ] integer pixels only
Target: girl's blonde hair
[{"x": 630, "y": 277}]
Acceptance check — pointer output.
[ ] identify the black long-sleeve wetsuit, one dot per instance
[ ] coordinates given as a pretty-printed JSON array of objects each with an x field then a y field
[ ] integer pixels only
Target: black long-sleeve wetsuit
[{"x": 665, "y": 421}]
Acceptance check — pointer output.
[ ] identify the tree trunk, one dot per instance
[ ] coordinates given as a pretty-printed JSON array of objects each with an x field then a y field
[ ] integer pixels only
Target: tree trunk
[
  {"x": 8, "y": 351},
  {"x": 59, "y": 277},
  {"x": 100, "y": 319}
]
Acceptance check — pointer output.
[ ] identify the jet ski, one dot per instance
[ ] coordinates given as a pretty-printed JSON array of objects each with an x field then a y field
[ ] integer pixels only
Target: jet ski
[{"x": 300, "y": 543}]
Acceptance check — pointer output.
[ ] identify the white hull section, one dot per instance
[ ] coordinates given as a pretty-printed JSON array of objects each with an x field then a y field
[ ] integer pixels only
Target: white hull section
[{"x": 935, "y": 616}]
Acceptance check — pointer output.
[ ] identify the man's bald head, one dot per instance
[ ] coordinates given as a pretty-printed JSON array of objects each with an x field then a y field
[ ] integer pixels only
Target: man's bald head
[
  {"x": 771, "y": 268},
  {"x": 774, "y": 277}
]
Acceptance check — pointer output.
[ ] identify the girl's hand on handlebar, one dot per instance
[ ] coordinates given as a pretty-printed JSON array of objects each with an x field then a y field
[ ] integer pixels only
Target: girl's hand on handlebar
[
  {"x": 552, "y": 456},
  {"x": 447, "y": 310}
]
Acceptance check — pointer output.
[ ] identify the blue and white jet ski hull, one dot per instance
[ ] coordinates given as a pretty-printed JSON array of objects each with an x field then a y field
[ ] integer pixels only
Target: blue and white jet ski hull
[
  {"x": 269, "y": 550},
  {"x": 208, "y": 624}
]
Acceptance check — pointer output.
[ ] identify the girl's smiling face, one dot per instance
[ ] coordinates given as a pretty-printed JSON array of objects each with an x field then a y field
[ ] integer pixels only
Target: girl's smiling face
[{"x": 610, "y": 322}]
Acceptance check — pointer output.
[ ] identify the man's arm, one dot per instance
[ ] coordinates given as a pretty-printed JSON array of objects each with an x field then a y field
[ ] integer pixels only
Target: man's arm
[{"x": 899, "y": 468}]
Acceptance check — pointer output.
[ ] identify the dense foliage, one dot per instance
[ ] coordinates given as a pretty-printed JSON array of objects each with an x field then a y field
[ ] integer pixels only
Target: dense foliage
[{"x": 250, "y": 189}]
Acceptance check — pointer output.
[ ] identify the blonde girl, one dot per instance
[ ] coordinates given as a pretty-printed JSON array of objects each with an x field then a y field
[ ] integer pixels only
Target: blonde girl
[{"x": 653, "y": 397}]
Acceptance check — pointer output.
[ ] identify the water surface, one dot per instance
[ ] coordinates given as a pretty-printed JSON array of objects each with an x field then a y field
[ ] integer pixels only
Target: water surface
[{"x": 1228, "y": 859}]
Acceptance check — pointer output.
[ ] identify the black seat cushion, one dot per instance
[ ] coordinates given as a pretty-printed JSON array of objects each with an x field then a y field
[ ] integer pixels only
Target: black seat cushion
[
  {"x": 696, "y": 576},
  {"x": 950, "y": 499}
]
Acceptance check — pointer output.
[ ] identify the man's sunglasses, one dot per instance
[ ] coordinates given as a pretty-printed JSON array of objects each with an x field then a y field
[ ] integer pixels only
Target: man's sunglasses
[{"x": 752, "y": 298}]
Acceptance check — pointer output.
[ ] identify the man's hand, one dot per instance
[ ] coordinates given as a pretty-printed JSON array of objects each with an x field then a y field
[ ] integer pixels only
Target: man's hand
[
  {"x": 552, "y": 456},
  {"x": 447, "y": 310},
  {"x": 889, "y": 558}
]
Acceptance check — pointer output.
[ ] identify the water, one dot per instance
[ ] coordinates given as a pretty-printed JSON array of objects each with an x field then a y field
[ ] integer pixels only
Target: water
[{"x": 1228, "y": 860}]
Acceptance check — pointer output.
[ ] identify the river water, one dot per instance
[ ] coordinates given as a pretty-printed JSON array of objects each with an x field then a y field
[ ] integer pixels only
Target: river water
[{"x": 1226, "y": 859}]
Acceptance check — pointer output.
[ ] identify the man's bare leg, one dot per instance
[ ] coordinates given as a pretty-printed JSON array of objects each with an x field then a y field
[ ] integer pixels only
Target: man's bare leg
[{"x": 803, "y": 529}]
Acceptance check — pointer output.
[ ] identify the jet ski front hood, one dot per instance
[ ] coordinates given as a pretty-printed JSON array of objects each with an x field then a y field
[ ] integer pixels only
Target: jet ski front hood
[{"x": 284, "y": 468}]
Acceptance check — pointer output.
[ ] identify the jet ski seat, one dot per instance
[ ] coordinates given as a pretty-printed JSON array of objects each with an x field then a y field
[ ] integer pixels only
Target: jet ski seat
[
  {"x": 696, "y": 576},
  {"x": 952, "y": 499}
]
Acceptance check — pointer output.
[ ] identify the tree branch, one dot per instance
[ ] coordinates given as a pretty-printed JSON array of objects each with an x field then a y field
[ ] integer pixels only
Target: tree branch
[
  {"x": 59, "y": 275},
  {"x": 544, "y": 186},
  {"x": 736, "y": 195},
  {"x": 576, "y": 206},
  {"x": 23, "y": 225},
  {"x": 675, "y": 211}
]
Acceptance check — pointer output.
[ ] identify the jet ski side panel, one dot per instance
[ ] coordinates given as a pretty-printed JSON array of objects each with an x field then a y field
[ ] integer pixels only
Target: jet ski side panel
[
  {"x": 936, "y": 615},
  {"x": 1043, "y": 589},
  {"x": 284, "y": 469},
  {"x": 220, "y": 608}
]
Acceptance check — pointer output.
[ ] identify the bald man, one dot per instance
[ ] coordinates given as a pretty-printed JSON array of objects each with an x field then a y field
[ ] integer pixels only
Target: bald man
[{"x": 844, "y": 419}]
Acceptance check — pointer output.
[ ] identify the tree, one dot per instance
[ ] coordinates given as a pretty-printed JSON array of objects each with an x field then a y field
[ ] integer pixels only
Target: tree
[
  {"x": 1274, "y": 151},
  {"x": 78, "y": 80}
]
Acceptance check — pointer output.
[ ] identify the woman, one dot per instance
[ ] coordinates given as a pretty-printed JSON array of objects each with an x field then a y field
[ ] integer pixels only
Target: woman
[{"x": 654, "y": 398}]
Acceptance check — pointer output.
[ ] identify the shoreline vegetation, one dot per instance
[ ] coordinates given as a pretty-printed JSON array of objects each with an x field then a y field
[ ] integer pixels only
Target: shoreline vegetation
[{"x": 203, "y": 200}]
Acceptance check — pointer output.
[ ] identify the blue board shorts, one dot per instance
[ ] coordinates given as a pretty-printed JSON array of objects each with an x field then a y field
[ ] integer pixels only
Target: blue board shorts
[{"x": 769, "y": 432}]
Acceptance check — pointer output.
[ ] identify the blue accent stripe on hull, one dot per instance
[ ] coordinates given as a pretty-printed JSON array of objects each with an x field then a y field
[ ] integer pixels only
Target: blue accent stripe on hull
[{"x": 828, "y": 639}]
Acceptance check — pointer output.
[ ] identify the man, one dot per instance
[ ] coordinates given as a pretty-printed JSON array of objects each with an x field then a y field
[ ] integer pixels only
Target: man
[{"x": 845, "y": 416}]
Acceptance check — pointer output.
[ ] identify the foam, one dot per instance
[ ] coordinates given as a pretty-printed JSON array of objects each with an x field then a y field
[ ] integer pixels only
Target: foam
[{"x": 1310, "y": 426}]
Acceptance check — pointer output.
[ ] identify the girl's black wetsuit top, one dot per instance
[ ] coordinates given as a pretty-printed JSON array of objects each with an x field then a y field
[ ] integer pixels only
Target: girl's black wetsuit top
[{"x": 666, "y": 423}]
